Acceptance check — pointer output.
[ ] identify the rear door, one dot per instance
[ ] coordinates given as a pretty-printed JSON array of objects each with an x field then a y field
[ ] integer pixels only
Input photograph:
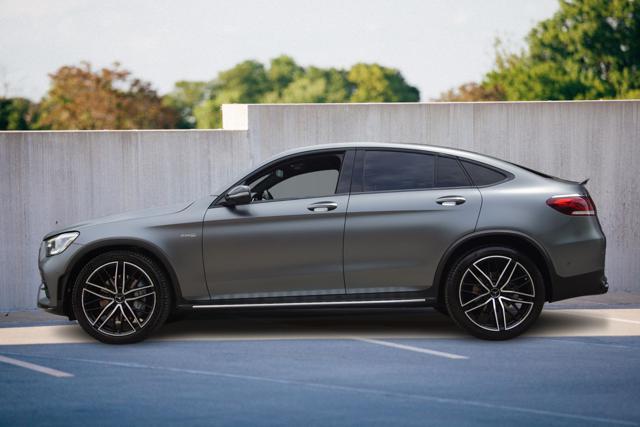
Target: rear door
[{"x": 406, "y": 208}]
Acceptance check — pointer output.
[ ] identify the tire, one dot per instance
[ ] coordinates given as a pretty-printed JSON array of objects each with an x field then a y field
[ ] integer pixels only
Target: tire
[
  {"x": 494, "y": 292},
  {"x": 126, "y": 313}
]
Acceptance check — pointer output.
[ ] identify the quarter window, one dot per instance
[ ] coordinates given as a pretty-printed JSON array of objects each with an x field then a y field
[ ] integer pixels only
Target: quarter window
[
  {"x": 397, "y": 170},
  {"x": 483, "y": 175}
]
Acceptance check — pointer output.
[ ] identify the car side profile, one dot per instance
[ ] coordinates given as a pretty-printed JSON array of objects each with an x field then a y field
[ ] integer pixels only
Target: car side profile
[{"x": 483, "y": 240}]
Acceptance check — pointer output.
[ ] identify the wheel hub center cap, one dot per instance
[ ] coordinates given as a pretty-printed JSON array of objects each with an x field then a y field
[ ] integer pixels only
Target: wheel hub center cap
[
  {"x": 495, "y": 292},
  {"x": 119, "y": 298}
]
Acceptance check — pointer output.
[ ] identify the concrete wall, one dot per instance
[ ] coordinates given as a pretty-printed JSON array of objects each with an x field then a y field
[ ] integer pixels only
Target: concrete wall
[
  {"x": 599, "y": 140},
  {"x": 49, "y": 179},
  {"x": 56, "y": 178}
]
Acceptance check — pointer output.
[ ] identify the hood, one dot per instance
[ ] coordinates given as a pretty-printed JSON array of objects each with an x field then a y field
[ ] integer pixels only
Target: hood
[{"x": 126, "y": 216}]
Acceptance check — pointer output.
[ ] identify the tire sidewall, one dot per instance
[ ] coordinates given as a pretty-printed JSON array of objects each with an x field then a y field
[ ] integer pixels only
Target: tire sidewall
[
  {"x": 161, "y": 286},
  {"x": 452, "y": 292}
]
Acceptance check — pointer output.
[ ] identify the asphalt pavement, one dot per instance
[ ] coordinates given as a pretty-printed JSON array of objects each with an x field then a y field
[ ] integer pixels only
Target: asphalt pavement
[{"x": 577, "y": 366}]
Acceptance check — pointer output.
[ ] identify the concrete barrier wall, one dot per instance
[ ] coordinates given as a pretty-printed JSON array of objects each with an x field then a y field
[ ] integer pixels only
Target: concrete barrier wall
[
  {"x": 50, "y": 179},
  {"x": 599, "y": 140},
  {"x": 56, "y": 178}
]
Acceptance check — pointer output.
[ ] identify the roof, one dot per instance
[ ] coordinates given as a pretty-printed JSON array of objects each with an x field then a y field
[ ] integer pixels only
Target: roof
[{"x": 493, "y": 161}]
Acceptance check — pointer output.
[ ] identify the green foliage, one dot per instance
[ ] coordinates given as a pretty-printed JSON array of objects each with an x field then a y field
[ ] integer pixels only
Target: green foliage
[
  {"x": 110, "y": 98},
  {"x": 589, "y": 49},
  {"x": 374, "y": 83},
  {"x": 184, "y": 97},
  {"x": 284, "y": 81},
  {"x": 16, "y": 113}
]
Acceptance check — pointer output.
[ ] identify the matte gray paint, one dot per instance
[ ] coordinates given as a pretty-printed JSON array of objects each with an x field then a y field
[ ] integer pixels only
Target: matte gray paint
[{"x": 372, "y": 242}]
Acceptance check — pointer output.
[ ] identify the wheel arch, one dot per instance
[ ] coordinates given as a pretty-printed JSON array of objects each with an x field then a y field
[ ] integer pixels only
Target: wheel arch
[
  {"x": 510, "y": 238},
  {"x": 65, "y": 286}
]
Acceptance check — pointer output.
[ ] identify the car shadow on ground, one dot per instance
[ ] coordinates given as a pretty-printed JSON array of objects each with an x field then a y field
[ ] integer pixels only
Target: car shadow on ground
[{"x": 332, "y": 323}]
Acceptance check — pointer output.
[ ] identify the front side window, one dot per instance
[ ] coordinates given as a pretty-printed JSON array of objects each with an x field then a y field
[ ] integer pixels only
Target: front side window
[
  {"x": 397, "y": 170},
  {"x": 299, "y": 178}
]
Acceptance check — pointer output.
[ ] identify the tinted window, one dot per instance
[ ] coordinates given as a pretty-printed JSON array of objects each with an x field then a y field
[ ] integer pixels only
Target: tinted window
[
  {"x": 450, "y": 173},
  {"x": 397, "y": 170},
  {"x": 482, "y": 175},
  {"x": 303, "y": 177}
]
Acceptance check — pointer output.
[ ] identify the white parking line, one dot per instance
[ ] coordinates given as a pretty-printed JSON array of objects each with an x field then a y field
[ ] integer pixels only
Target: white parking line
[
  {"x": 34, "y": 367},
  {"x": 412, "y": 348},
  {"x": 360, "y": 390}
]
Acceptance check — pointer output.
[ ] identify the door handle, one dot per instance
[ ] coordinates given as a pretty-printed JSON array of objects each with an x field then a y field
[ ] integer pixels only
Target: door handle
[
  {"x": 451, "y": 200},
  {"x": 322, "y": 206}
]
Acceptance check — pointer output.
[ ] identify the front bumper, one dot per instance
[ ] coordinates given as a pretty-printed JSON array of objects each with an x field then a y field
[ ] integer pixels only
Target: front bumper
[
  {"x": 52, "y": 271},
  {"x": 594, "y": 283}
]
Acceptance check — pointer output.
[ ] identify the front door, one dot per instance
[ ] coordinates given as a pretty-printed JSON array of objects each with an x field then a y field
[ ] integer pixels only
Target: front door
[{"x": 288, "y": 241}]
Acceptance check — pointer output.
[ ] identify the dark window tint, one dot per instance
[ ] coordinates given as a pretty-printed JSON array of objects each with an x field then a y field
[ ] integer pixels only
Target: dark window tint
[
  {"x": 397, "y": 170},
  {"x": 450, "y": 173},
  {"x": 310, "y": 176},
  {"x": 482, "y": 175}
]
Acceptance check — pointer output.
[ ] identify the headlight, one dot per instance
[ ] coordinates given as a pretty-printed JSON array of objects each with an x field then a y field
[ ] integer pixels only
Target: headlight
[{"x": 57, "y": 244}]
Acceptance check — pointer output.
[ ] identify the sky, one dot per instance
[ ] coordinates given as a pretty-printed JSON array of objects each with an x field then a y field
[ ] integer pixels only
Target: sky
[{"x": 435, "y": 44}]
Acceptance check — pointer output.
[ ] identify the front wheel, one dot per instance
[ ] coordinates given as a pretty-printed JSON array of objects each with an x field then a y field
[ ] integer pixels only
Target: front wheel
[
  {"x": 495, "y": 292},
  {"x": 121, "y": 297}
]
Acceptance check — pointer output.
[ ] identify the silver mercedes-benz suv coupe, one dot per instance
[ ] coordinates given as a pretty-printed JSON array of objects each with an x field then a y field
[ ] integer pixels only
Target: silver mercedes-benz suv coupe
[{"x": 483, "y": 240}]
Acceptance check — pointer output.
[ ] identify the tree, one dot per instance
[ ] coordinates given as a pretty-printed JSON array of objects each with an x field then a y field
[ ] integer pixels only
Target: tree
[
  {"x": 589, "y": 49},
  {"x": 284, "y": 81},
  {"x": 317, "y": 85},
  {"x": 110, "y": 98},
  {"x": 16, "y": 113},
  {"x": 184, "y": 98},
  {"x": 472, "y": 91},
  {"x": 374, "y": 83}
]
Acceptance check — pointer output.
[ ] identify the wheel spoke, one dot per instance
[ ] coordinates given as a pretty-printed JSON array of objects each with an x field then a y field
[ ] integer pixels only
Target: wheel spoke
[
  {"x": 124, "y": 275},
  {"x": 495, "y": 312},
  {"x": 126, "y": 318},
  {"x": 109, "y": 291},
  {"x": 477, "y": 306},
  {"x": 506, "y": 266},
  {"x": 108, "y": 317},
  {"x": 126, "y": 304},
  {"x": 504, "y": 314},
  {"x": 516, "y": 300},
  {"x": 507, "y": 291},
  {"x": 140, "y": 296},
  {"x": 475, "y": 299},
  {"x": 138, "y": 289},
  {"x": 101, "y": 313},
  {"x": 508, "y": 279},
  {"x": 478, "y": 279},
  {"x": 115, "y": 278},
  {"x": 97, "y": 294}
]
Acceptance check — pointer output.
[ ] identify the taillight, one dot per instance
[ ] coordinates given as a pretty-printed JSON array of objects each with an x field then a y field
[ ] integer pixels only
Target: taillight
[{"x": 573, "y": 204}]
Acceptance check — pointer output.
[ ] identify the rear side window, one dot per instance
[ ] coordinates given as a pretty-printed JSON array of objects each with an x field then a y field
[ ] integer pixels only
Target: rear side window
[
  {"x": 397, "y": 170},
  {"x": 483, "y": 175},
  {"x": 450, "y": 173}
]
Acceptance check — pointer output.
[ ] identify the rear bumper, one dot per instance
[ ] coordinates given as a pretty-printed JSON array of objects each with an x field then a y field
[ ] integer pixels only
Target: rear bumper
[{"x": 594, "y": 283}]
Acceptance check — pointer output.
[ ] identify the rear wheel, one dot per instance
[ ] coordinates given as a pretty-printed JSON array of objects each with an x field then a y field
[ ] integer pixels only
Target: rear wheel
[
  {"x": 121, "y": 297},
  {"x": 495, "y": 293}
]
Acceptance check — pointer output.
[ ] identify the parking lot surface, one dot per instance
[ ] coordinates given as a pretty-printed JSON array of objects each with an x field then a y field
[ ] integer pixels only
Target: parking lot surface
[{"x": 327, "y": 367}]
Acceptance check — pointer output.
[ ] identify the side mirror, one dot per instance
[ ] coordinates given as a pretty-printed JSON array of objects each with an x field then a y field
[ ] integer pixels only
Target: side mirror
[{"x": 240, "y": 195}]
